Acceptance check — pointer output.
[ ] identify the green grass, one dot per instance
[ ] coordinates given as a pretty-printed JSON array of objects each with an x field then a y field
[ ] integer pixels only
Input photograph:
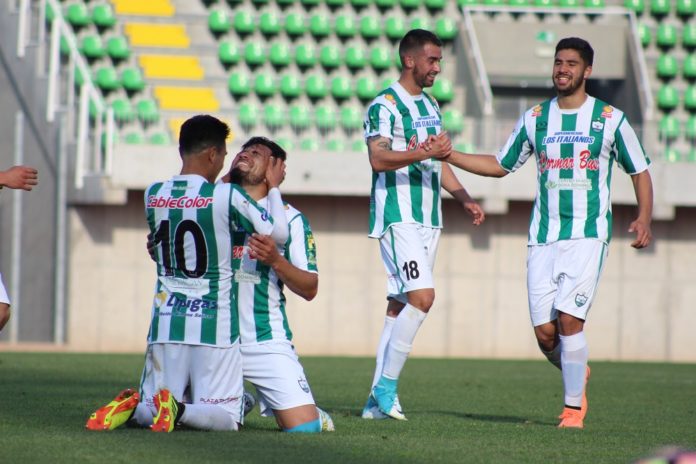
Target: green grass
[{"x": 459, "y": 411}]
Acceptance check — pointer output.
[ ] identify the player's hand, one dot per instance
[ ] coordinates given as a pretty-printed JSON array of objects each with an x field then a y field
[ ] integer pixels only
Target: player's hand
[
  {"x": 264, "y": 249},
  {"x": 441, "y": 145},
  {"x": 275, "y": 172},
  {"x": 19, "y": 177},
  {"x": 643, "y": 233},
  {"x": 475, "y": 211},
  {"x": 151, "y": 246}
]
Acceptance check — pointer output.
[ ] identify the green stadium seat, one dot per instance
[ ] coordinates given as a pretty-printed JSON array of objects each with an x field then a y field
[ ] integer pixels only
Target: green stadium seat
[
  {"x": 219, "y": 22},
  {"x": 335, "y": 3},
  {"x": 463, "y": 3},
  {"x": 686, "y": 8},
  {"x": 667, "y": 97},
  {"x": 359, "y": 146},
  {"x": 446, "y": 28},
  {"x": 50, "y": 14},
  {"x": 370, "y": 27},
  {"x": 64, "y": 47},
  {"x": 310, "y": 3},
  {"x": 92, "y": 47},
  {"x": 666, "y": 36},
  {"x": 355, "y": 57},
  {"x": 689, "y": 67},
  {"x": 117, "y": 48},
  {"x": 519, "y": 3},
  {"x": 690, "y": 99},
  {"x": 147, "y": 111},
  {"x": 254, "y": 54},
  {"x": 299, "y": 116},
  {"x": 385, "y": 4},
  {"x": 239, "y": 84},
  {"x": 330, "y": 56},
  {"x": 543, "y": 3},
  {"x": 493, "y": 2},
  {"x": 123, "y": 110},
  {"x": 316, "y": 86},
  {"x": 341, "y": 88},
  {"x": 295, "y": 25},
  {"x": 672, "y": 155},
  {"x": 594, "y": 4},
  {"x": 336, "y": 145},
  {"x": 434, "y": 5},
  {"x": 273, "y": 116},
  {"x": 107, "y": 78},
  {"x": 380, "y": 58},
  {"x": 319, "y": 25},
  {"x": 229, "y": 53},
  {"x": 395, "y": 27},
  {"x": 421, "y": 22},
  {"x": 345, "y": 26},
  {"x": 103, "y": 16},
  {"x": 387, "y": 82},
  {"x": 159, "y": 138},
  {"x": 243, "y": 23},
  {"x": 305, "y": 55},
  {"x": 644, "y": 34},
  {"x": 569, "y": 3},
  {"x": 689, "y": 36},
  {"x": 351, "y": 118},
  {"x": 365, "y": 88},
  {"x": 667, "y": 67},
  {"x": 409, "y": 5},
  {"x": 690, "y": 128},
  {"x": 453, "y": 121},
  {"x": 286, "y": 142},
  {"x": 659, "y": 8},
  {"x": 638, "y": 6},
  {"x": 309, "y": 144},
  {"x": 132, "y": 79},
  {"x": 360, "y": 4},
  {"x": 442, "y": 90},
  {"x": 264, "y": 85},
  {"x": 279, "y": 54},
  {"x": 691, "y": 155},
  {"x": 269, "y": 23},
  {"x": 248, "y": 114},
  {"x": 325, "y": 117},
  {"x": 290, "y": 86},
  {"x": 397, "y": 59},
  {"x": 77, "y": 15},
  {"x": 133, "y": 138}
]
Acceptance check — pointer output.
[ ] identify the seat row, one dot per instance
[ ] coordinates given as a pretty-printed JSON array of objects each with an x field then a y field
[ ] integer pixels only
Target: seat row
[{"x": 667, "y": 36}]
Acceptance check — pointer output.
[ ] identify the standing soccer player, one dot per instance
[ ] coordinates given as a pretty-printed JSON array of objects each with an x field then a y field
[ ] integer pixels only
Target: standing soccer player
[
  {"x": 405, "y": 145},
  {"x": 576, "y": 139},
  {"x": 193, "y": 342},
  {"x": 261, "y": 271}
]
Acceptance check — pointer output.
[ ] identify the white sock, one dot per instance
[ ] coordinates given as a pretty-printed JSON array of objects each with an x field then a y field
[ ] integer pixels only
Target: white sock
[
  {"x": 401, "y": 341},
  {"x": 554, "y": 356},
  {"x": 382, "y": 347},
  {"x": 143, "y": 415},
  {"x": 573, "y": 365},
  {"x": 208, "y": 417}
]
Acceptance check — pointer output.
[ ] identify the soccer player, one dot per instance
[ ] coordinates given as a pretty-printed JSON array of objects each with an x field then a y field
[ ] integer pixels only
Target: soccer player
[
  {"x": 17, "y": 177},
  {"x": 406, "y": 145},
  {"x": 261, "y": 271},
  {"x": 575, "y": 138},
  {"x": 193, "y": 342}
]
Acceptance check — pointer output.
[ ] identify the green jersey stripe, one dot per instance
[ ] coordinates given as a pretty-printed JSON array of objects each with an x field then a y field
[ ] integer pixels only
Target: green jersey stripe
[
  {"x": 177, "y": 324},
  {"x": 593, "y": 209},
  {"x": 209, "y": 313},
  {"x": 542, "y": 122},
  {"x": 261, "y": 314},
  {"x": 565, "y": 206},
  {"x": 415, "y": 177}
]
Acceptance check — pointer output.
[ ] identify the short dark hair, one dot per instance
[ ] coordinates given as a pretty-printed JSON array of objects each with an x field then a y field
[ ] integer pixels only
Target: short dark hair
[
  {"x": 582, "y": 46},
  {"x": 200, "y": 132},
  {"x": 276, "y": 150},
  {"x": 416, "y": 39}
]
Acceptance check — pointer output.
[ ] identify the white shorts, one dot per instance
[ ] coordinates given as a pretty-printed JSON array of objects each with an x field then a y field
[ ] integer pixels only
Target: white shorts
[
  {"x": 201, "y": 374},
  {"x": 408, "y": 254},
  {"x": 563, "y": 276},
  {"x": 3, "y": 293},
  {"x": 275, "y": 370}
]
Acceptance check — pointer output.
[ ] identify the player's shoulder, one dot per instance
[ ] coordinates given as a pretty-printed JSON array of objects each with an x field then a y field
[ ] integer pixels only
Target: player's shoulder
[
  {"x": 431, "y": 99},
  {"x": 609, "y": 112},
  {"x": 387, "y": 98},
  {"x": 293, "y": 214},
  {"x": 539, "y": 109}
]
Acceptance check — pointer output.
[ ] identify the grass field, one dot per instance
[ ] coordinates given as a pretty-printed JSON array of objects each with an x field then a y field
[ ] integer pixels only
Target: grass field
[{"x": 459, "y": 411}]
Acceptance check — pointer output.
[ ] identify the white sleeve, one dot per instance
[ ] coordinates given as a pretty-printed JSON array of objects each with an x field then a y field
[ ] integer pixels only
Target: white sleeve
[{"x": 276, "y": 208}]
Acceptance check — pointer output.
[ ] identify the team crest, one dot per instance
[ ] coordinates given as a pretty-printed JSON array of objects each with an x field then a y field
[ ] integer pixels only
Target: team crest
[
  {"x": 597, "y": 126},
  {"x": 536, "y": 111},
  {"x": 606, "y": 111},
  {"x": 390, "y": 98},
  {"x": 580, "y": 300},
  {"x": 303, "y": 384}
]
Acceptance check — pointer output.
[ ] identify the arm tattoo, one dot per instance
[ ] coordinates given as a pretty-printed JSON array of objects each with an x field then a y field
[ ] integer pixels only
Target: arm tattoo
[{"x": 380, "y": 142}]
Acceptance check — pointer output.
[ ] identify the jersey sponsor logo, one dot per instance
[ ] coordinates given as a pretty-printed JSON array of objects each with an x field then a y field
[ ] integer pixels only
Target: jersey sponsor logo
[
  {"x": 390, "y": 98},
  {"x": 229, "y": 399},
  {"x": 426, "y": 121},
  {"x": 189, "y": 304},
  {"x": 237, "y": 252},
  {"x": 597, "y": 126},
  {"x": 568, "y": 137},
  {"x": 606, "y": 111},
  {"x": 569, "y": 184},
  {"x": 412, "y": 143},
  {"x": 580, "y": 299},
  {"x": 154, "y": 201},
  {"x": 536, "y": 111},
  {"x": 252, "y": 277},
  {"x": 546, "y": 164}
]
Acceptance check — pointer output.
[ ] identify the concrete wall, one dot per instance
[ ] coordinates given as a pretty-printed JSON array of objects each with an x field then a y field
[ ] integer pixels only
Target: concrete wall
[{"x": 644, "y": 310}]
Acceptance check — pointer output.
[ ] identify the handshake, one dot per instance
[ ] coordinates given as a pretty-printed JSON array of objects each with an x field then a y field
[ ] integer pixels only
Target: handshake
[{"x": 437, "y": 146}]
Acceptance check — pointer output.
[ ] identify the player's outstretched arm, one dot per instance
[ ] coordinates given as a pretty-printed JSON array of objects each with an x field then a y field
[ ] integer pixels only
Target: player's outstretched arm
[
  {"x": 642, "y": 185},
  {"x": 483, "y": 165},
  {"x": 383, "y": 158},
  {"x": 19, "y": 177},
  {"x": 300, "y": 282},
  {"x": 457, "y": 190}
]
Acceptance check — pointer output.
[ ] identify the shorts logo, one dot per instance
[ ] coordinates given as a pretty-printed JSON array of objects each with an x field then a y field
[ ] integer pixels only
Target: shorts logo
[
  {"x": 580, "y": 300},
  {"x": 303, "y": 384}
]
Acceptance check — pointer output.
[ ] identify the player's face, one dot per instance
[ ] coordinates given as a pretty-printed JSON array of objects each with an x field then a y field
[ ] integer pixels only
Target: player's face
[
  {"x": 249, "y": 166},
  {"x": 426, "y": 65},
  {"x": 569, "y": 72}
]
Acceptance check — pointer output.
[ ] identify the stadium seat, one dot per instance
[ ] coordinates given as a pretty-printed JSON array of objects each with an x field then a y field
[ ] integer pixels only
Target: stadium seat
[
  {"x": 446, "y": 28},
  {"x": 638, "y": 6},
  {"x": 316, "y": 86},
  {"x": 103, "y": 16},
  {"x": 667, "y": 97},
  {"x": 686, "y": 9},
  {"x": 690, "y": 99},
  {"x": 380, "y": 58},
  {"x": 667, "y": 67},
  {"x": 341, "y": 88},
  {"x": 666, "y": 36},
  {"x": 409, "y": 5},
  {"x": 421, "y": 22},
  {"x": 279, "y": 54},
  {"x": 360, "y": 4},
  {"x": 309, "y": 144},
  {"x": 248, "y": 114},
  {"x": 355, "y": 57},
  {"x": 219, "y": 22},
  {"x": 690, "y": 129},
  {"x": 117, "y": 48},
  {"x": 295, "y": 25},
  {"x": 107, "y": 78},
  {"x": 290, "y": 86},
  {"x": 254, "y": 54},
  {"x": 568, "y": 3},
  {"x": 319, "y": 25},
  {"x": 123, "y": 110},
  {"x": 92, "y": 47},
  {"x": 264, "y": 85},
  {"x": 385, "y": 4},
  {"x": 325, "y": 117},
  {"x": 132, "y": 79},
  {"x": 335, "y": 3},
  {"x": 133, "y": 138},
  {"x": 229, "y": 53},
  {"x": 147, "y": 111},
  {"x": 330, "y": 56},
  {"x": 345, "y": 26},
  {"x": 519, "y": 3},
  {"x": 453, "y": 121},
  {"x": 672, "y": 154},
  {"x": 243, "y": 23},
  {"x": 239, "y": 84},
  {"x": 286, "y": 142},
  {"x": 493, "y": 2},
  {"x": 159, "y": 138},
  {"x": 644, "y": 34},
  {"x": 273, "y": 116},
  {"x": 689, "y": 36},
  {"x": 669, "y": 128},
  {"x": 77, "y": 15},
  {"x": 359, "y": 146},
  {"x": 689, "y": 67},
  {"x": 691, "y": 155},
  {"x": 659, "y": 8},
  {"x": 335, "y": 145},
  {"x": 463, "y": 3},
  {"x": 370, "y": 27},
  {"x": 365, "y": 88},
  {"x": 594, "y": 3},
  {"x": 269, "y": 24},
  {"x": 310, "y": 3},
  {"x": 442, "y": 90},
  {"x": 351, "y": 118},
  {"x": 435, "y": 5},
  {"x": 394, "y": 27},
  {"x": 299, "y": 116},
  {"x": 305, "y": 55},
  {"x": 543, "y": 3}
]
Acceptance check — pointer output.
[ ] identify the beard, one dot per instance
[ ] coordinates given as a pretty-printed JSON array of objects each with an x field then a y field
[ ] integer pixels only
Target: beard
[
  {"x": 236, "y": 176},
  {"x": 572, "y": 87},
  {"x": 239, "y": 177}
]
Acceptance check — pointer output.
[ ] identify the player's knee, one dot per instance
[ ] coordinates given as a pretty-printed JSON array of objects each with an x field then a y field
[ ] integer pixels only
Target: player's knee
[
  {"x": 547, "y": 340},
  {"x": 422, "y": 299},
  {"x": 4, "y": 314}
]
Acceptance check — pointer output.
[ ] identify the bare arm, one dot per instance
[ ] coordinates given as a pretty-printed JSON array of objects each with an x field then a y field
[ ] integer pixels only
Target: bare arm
[
  {"x": 19, "y": 177},
  {"x": 483, "y": 165},
  {"x": 457, "y": 190},
  {"x": 300, "y": 282},
  {"x": 642, "y": 185},
  {"x": 383, "y": 158}
]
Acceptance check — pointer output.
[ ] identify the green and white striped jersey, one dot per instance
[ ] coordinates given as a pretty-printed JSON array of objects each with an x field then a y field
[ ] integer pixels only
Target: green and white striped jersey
[
  {"x": 410, "y": 194},
  {"x": 192, "y": 222},
  {"x": 257, "y": 290},
  {"x": 575, "y": 151}
]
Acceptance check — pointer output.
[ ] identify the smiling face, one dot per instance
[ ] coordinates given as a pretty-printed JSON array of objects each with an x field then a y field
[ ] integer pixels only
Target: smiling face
[
  {"x": 425, "y": 64},
  {"x": 249, "y": 166},
  {"x": 569, "y": 72}
]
